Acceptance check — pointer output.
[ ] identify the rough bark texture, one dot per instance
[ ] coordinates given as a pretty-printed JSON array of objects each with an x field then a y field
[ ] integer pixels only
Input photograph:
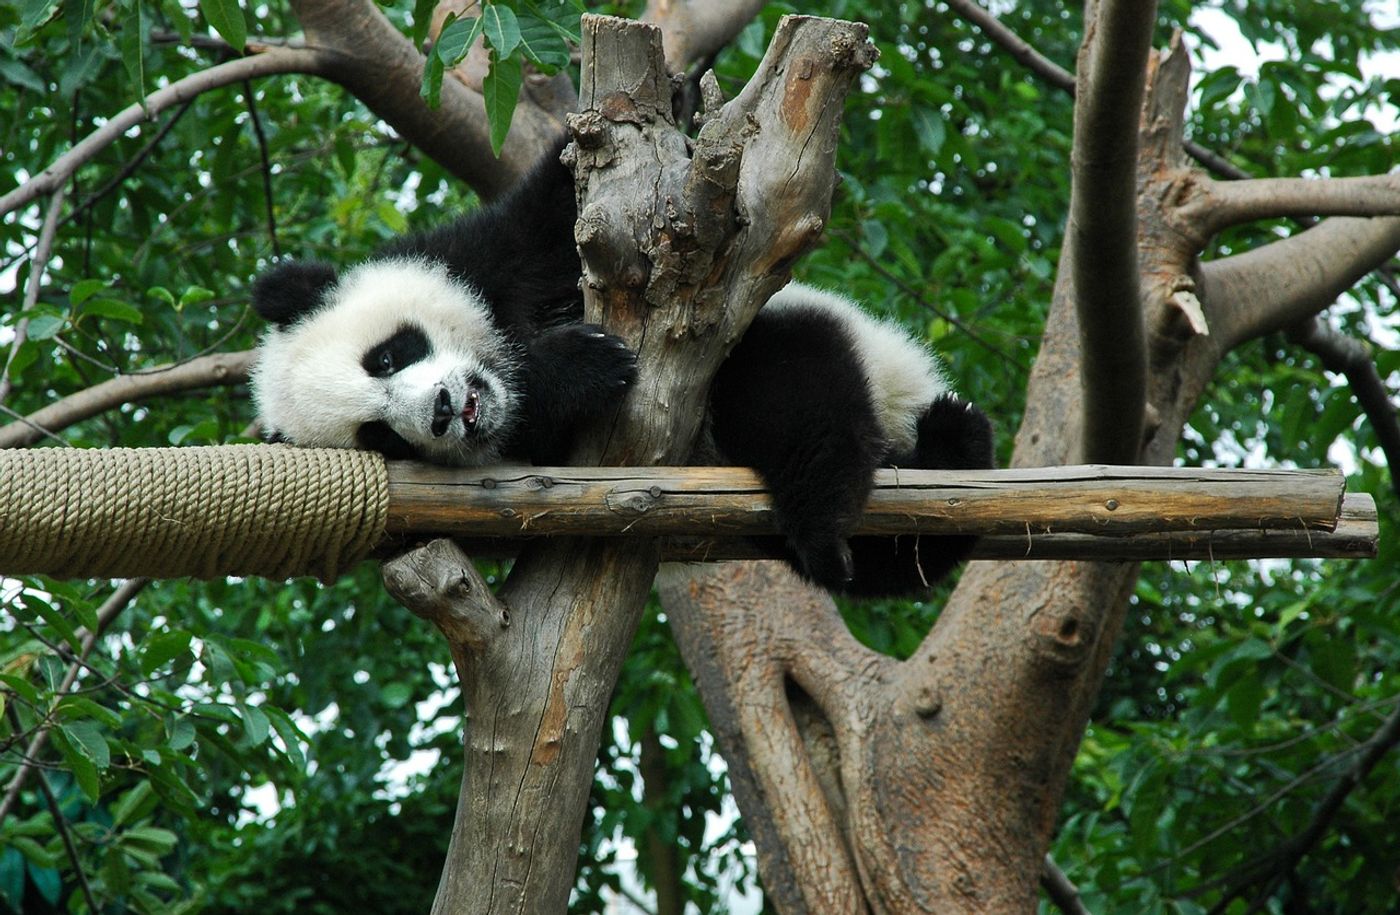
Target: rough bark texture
[
  {"x": 679, "y": 252},
  {"x": 933, "y": 785}
]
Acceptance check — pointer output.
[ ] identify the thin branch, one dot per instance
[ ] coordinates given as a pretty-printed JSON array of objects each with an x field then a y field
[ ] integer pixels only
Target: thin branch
[
  {"x": 693, "y": 30},
  {"x": 1103, "y": 228},
  {"x": 266, "y": 166},
  {"x": 274, "y": 60},
  {"x": 1352, "y": 358},
  {"x": 106, "y": 613},
  {"x": 43, "y": 249},
  {"x": 924, "y": 303},
  {"x": 1014, "y": 45},
  {"x": 1060, "y": 78},
  {"x": 1293, "y": 850},
  {"x": 60, "y": 823},
  {"x": 1061, "y": 890},
  {"x": 1229, "y": 203},
  {"x": 202, "y": 372},
  {"x": 1290, "y": 280}
]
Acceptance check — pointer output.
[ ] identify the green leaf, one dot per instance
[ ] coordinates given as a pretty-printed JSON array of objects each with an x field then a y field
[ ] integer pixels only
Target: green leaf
[
  {"x": 422, "y": 20},
  {"x": 130, "y": 802},
  {"x": 32, "y": 17},
  {"x": 226, "y": 16},
  {"x": 45, "y": 326},
  {"x": 163, "y": 648},
  {"x": 396, "y": 695},
  {"x": 151, "y": 838},
  {"x": 181, "y": 734},
  {"x": 456, "y": 40},
  {"x": 502, "y": 29},
  {"x": 501, "y": 89},
  {"x": 431, "y": 89},
  {"x": 255, "y": 724},
  {"x": 291, "y": 737},
  {"x": 55, "y": 619},
  {"x": 133, "y": 49},
  {"x": 930, "y": 129},
  {"x": 117, "y": 311},
  {"x": 17, "y": 73},
  {"x": 84, "y": 772},
  {"x": 87, "y": 739},
  {"x": 542, "y": 43}
]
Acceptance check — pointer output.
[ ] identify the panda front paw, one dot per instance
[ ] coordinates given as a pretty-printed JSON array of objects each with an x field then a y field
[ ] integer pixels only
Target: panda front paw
[
  {"x": 594, "y": 356},
  {"x": 824, "y": 560}
]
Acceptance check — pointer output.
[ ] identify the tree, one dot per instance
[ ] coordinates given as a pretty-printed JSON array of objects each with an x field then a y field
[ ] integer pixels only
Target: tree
[{"x": 910, "y": 770}]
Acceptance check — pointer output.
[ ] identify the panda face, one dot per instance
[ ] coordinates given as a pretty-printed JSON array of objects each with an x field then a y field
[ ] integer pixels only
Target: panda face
[{"x": 398, "y": 357}]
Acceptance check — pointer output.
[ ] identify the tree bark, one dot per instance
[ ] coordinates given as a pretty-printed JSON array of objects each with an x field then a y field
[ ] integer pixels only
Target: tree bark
[
  {"x": 934, "y": 784},
  {"x": 679, "y": 252}
]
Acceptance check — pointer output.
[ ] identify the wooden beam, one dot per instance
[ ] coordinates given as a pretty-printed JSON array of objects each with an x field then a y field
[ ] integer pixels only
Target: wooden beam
[{"x": 729, "y": 501}]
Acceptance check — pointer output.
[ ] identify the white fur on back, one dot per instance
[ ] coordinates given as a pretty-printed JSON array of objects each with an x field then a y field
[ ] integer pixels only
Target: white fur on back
[
  {"x": 904, "y": 376},
  {"x": 309, "y": 383}
]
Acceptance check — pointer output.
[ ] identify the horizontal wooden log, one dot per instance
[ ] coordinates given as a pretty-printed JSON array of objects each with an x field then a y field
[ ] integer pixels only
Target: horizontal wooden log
[
  {"x": 731, "y": 501},
  {"x": 280, "y": 511},
  {"x": 1355, "y": 537}
]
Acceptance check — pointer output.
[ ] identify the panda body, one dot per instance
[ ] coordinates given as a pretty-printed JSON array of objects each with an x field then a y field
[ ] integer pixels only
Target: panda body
[{"x": 465, "y": 345}]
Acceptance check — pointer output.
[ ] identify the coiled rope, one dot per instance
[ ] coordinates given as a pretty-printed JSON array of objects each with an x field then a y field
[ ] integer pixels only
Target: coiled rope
[{"x": 267, "y": 510}]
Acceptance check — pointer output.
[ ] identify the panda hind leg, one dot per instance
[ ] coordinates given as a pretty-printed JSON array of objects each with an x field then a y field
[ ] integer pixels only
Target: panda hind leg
[
  {"x": 791, "y": 402},
  {"x": 952, "y": 435}
]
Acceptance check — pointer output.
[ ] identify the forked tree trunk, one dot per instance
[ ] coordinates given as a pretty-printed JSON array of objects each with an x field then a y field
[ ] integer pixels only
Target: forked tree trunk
[{"x": 680, "y": 250}]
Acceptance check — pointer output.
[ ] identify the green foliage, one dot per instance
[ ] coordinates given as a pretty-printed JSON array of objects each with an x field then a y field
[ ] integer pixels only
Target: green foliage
[
  {"x": 514, "y": 33},
  {"x": 248, "y": 746}
]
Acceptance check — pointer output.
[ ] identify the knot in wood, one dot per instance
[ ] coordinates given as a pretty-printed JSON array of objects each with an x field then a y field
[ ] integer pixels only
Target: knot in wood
[
  {"x": 633, "y": 502},
  {"x": 589, "y": 129}
]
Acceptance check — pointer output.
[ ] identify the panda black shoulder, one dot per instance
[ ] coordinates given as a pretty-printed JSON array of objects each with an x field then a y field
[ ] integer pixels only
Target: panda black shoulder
[{"x": 517, "y": 252}]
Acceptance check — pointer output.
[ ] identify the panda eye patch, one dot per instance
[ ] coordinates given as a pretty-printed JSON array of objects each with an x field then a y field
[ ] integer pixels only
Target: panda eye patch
[{"x": 404, "y": 347}]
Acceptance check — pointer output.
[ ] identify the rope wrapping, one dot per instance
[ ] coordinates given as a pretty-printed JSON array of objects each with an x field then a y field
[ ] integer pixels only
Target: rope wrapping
[{"x": 268, "y": 510}]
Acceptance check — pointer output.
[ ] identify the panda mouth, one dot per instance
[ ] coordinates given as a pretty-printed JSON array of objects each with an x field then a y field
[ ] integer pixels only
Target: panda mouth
[{"x": 471, "y": 410}]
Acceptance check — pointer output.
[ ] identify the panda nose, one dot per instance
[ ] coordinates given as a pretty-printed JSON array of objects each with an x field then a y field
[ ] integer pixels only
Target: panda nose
[{"x": 442, "y": 413}]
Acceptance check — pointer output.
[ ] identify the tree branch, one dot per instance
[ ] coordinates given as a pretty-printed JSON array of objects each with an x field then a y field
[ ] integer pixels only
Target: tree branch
[
  {"x": 693, "y": 30},
  {"x": 1103, "y": 227},
  {"x": 382, "y": 68},
  {"x": 1229, "y": 203},
  {"x": 1061, "y": 890},
  {"x": 1288, "y": 281},
  {"x": 106, "y": 613},
  {"x": 43, "y": 250},
  {"x": 271, "y": 61},
  {"x": 202, "y": 372},
  {"x": 1352, "y": 359}
]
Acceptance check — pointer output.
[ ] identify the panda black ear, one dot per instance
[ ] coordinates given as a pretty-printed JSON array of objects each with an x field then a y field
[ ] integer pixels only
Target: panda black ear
[{"x": 291, "y": 289}]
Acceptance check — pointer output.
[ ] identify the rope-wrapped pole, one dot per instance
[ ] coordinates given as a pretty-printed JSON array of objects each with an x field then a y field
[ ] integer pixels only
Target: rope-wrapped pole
[
  {"x": 279, "y": 512},
  {"x": 266, "y": 510}
]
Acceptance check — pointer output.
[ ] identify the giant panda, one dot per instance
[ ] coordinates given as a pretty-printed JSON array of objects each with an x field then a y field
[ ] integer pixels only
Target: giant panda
[{"x": 465, "y": 345}]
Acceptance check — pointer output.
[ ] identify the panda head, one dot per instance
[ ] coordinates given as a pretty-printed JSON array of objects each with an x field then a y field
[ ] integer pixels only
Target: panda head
[{"x": 394, "y": 356}]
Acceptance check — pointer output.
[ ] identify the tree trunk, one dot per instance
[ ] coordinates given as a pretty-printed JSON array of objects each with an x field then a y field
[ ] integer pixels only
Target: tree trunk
[{"x": 679, "y": 251}]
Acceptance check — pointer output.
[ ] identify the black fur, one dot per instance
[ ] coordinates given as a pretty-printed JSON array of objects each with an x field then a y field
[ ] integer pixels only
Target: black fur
[
  {"x": 291, "y": 289},
  {"x": 791, "y": 400}
]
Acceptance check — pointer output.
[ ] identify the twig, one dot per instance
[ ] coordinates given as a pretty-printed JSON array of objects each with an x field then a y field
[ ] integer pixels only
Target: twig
[
  {"x": 42, "y": 251},
  {"x": 923, "y": 302},
  {"x": 1062, "y": 892},
  {"x": 1352, "y": 359},
  {"x": 60, "y": 823},
  {"x": 106, "y": 613},
  {"x": 266, "y": 166},
  {"x": 201, "y": 372},
  {"x": 274, "y": 60}
]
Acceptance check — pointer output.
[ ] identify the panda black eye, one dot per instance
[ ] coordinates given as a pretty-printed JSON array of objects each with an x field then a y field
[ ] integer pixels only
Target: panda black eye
[{"x": 403, "y": 348}]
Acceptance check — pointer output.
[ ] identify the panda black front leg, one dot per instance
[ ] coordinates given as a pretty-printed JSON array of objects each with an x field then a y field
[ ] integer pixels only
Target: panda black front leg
[{"x": 572, "y": 374}]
